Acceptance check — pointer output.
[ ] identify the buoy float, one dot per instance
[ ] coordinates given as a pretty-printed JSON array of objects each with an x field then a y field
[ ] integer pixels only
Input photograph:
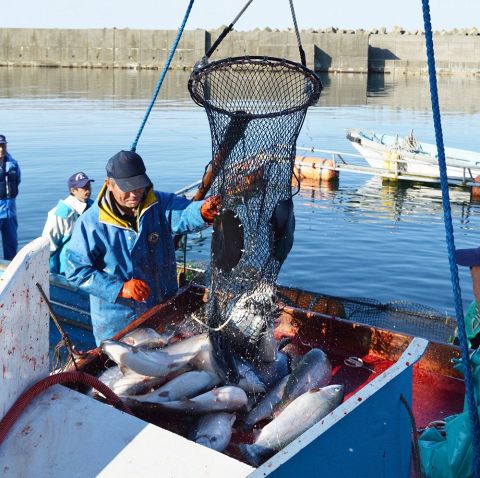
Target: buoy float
[
  {"x": 319, "y": 169},
  {"x": 475, "y": 190}
]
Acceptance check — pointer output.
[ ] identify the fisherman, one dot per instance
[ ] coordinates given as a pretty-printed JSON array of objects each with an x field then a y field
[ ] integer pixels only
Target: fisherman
[
  {"x": 61, "y": 219},
  {"x": 9, "y": 181},
  {"x": 122, "y": 251},
  {"x": 471, "y": 258}
]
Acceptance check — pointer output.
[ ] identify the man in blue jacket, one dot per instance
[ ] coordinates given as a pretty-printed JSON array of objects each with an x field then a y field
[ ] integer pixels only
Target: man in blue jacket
[
  {"x": 9, "y": 181},
  {"x": 121, "y": 251}
]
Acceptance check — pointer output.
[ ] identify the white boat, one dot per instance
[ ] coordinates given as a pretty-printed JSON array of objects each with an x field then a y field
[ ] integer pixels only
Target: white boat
[{"x": 407, "y": 158}]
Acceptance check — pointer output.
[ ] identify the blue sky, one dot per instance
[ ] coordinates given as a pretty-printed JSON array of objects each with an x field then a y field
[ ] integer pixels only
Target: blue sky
[{"x": 160, "y": 14}]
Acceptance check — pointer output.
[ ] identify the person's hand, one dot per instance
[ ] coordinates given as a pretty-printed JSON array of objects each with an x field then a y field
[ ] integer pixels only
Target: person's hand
[
  {"x": 135, "y": 289},
  {"x": 210, "y": 208}
]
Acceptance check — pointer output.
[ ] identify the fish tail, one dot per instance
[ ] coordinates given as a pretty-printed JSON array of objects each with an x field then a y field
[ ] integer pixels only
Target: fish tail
[
  {"x": 255, "y": 454},
  {"x": 224, "y": 356}
]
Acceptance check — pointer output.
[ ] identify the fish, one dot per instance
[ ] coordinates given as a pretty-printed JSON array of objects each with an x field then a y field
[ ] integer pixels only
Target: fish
[
  {"x": 248, "y": 378},
  {"x": 227, "y": 240},
  {"x": 157, "y": 362},
  {"x": 222, "y": 399},
  {"x": 126, "y": 382},
  {"x": 271, "y": 373},
  {"x": 295, "y": 419},
  {"x": 214, "y": 430},
  {"x": 268, "y": 346},
  {"x": 186, "y": 385},
  {"x": 264, "y": 409},
  {"x": 312, "y": 371},
  {"x": 148, "y": 338}
]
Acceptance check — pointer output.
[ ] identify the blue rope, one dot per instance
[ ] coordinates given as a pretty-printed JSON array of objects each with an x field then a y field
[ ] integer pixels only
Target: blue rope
[
  {"x": 474, "y": 419},
  {"x": 162, "y": 76}
]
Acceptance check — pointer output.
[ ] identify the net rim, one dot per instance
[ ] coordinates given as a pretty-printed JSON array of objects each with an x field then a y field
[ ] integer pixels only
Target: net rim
[{"x": 201, "y": 72}]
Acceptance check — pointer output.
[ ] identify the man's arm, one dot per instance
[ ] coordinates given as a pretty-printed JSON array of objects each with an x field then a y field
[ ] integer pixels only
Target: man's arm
[
  {"x": 182, "y": 214},
  {"x": 81, "y": 255}
]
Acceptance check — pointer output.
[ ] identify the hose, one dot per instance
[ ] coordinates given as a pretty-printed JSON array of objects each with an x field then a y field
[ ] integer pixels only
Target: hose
[{"x": 63, "y": 377}]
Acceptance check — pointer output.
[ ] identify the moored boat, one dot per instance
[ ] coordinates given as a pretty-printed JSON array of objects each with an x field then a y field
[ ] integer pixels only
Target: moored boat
[
  {"x": 411, "y": 159},
  {"x": 369, "y": 434}
]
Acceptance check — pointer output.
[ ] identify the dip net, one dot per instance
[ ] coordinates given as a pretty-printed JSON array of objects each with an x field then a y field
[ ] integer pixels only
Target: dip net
[{"x": 255, "y": 107}]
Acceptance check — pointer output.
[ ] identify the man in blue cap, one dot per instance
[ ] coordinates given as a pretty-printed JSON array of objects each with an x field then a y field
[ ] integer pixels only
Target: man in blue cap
[
  {"x": 471, "y": 258},
  {"x": 61, "y": 219},
  {"x": 9, "y": 181},
  {"x": 122, "y": 251}
]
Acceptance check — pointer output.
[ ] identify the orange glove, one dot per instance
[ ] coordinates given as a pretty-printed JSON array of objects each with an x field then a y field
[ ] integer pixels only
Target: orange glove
[
  {"x": 210, "y": 208},
  {"x": 135, "y": 289}
]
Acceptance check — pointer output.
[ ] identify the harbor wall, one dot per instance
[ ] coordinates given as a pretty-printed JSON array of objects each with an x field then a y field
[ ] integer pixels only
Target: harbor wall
[{"x": 328, "y": 50}]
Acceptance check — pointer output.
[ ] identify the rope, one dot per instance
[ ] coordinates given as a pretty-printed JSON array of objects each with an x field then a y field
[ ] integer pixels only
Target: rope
[
  {"x": 65, "y": 337},
  {"x": 297, "y": 33},
  {"x": 226, "y": 31},
  {"x": 64, "y": 377},
  {"x": 469, "y": 391},
  {"x": 162, "y": 76},
  {"x": 415, "y": 448}
]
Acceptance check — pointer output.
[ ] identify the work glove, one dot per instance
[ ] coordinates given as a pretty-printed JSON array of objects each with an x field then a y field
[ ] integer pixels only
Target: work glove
[
  {"x": 135, "y": 289},
  {"x": 210, "y": 208}
]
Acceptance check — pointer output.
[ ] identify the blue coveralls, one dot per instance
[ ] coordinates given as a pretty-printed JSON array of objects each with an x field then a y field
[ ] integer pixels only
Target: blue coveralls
[
  {"x": 9, "y": 180},
  {"x": 105, "y": 252}
]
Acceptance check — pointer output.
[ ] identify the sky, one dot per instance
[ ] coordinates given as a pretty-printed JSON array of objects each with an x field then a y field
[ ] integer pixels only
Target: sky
[{"x": 210, "y": 14}]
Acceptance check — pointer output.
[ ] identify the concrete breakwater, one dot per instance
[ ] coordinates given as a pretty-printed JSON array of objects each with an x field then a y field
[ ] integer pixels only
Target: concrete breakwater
[{"x": 328, "y": 50}]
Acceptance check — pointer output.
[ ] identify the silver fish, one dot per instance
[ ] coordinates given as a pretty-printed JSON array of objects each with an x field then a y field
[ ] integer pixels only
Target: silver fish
[
  {"x": 249, "y": 380},
  {"x": 148, "y": 338},
  {"x": 126, "y": 382},
  {"x": 312, "y": 371},
  {"x": 187, "y": 385},
  {"x": 153, "y": 363},
  {"x": 251, "y": 314},
  {"x": 265, "y": 407},
  {"x": 214, "y": 430},
  {"x": 299, "y": 416},
  {"x": 220, "y": 399}
]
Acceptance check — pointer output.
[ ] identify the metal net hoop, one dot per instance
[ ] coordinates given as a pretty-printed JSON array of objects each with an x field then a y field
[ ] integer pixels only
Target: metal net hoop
[{"x": 257, "y": 87}]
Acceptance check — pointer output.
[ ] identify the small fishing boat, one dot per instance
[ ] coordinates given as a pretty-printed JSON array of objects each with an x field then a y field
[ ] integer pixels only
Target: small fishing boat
[
  {"x": 386, "y": 375},
  {"x": 408, "y": 158}
]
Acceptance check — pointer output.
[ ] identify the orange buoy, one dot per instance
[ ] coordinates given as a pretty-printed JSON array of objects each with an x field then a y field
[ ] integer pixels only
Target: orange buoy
[
  {"x": 319, "y": 169},
  {"x": 475, "y": 190}
]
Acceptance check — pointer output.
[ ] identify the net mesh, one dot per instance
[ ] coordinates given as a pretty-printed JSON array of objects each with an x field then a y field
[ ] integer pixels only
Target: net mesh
[{"x": 256, "y": 107}]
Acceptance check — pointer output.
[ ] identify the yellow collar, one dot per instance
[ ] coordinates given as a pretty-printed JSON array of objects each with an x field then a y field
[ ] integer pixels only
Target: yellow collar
[{"x": 107, "y": 216}]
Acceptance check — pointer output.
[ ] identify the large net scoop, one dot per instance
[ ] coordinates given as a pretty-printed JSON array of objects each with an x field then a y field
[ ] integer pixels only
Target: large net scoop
[{"x": 256, "y": 107}]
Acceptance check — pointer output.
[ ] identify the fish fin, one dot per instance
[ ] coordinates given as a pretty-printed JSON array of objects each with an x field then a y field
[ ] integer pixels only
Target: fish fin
[{"x": 124, "y": 369}]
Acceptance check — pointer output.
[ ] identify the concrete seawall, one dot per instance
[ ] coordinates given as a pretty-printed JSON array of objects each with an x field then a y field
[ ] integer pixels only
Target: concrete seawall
[{"x": 328, "y": 50}]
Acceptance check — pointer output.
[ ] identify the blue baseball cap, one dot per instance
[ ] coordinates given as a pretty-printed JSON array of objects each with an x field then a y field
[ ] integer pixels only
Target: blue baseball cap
[
  {"x": 3, "y": 140},
  {"x": 78, "y": 180},
  {"x": 128, "y": 171},
  {"x": 468, "y": 257}
]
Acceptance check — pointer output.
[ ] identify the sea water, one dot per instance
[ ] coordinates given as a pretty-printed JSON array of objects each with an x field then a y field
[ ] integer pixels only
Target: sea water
[{"x": 358, "y": 238}]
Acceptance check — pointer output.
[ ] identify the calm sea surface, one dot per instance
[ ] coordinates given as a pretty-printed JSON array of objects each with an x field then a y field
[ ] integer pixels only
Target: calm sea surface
[{"x": 361, "y": 238}]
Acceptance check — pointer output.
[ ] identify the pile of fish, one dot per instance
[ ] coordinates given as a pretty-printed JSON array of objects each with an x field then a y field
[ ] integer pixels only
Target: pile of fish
[{"x": 182, "y": 377}]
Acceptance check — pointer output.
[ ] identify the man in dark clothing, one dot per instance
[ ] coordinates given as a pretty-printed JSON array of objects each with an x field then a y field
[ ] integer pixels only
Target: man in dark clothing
[{"x": 9, "y": 181}]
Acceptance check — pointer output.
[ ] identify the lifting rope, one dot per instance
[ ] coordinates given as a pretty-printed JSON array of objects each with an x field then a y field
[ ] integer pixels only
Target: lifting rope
[
  {"x": 297, "y": 33},
  {"x": 470, "y": 396},
  {"x": 162, "y": 76}
]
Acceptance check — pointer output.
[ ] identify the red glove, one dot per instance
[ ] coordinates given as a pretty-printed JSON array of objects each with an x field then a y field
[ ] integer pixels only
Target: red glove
[
  {"x": 210, "y": 208},
  {"x": 135, "y": 289}
]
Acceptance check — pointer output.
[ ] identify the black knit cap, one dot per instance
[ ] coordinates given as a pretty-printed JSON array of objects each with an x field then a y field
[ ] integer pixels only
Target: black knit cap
[{"x": 128, "y": 170}]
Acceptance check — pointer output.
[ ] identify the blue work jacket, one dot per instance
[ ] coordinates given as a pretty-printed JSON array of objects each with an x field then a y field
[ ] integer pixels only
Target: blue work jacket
[
  {"x": 10, "y": 180},
  {"x": 105, "y": 252}
]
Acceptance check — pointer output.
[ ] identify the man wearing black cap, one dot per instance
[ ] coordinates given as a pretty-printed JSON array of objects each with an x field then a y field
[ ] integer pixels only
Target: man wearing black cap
[
  {"x": 9, "y": 181},
  {"x": 61, "y": 219},
  {"x": 471, "y": 258},
  {"x": 122, "y": 251}
]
